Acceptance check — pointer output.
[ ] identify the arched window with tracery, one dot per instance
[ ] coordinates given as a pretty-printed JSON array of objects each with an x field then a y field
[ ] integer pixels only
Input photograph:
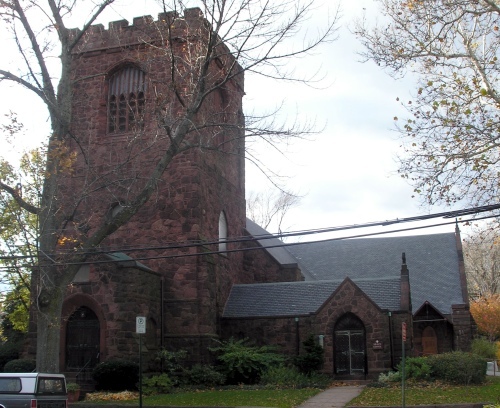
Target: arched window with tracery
[{"x": 126, "y": 100}]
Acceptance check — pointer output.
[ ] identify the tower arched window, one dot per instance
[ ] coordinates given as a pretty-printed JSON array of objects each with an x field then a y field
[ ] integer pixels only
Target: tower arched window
[
  {"x": 126, "y": 100},
  {"x": 222, "y": 232}
]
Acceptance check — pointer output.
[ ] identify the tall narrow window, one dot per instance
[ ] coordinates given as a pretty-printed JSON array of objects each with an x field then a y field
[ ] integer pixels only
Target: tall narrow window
[
  {"x": 222, "y": 232},
  {"x": 126, "y": 100}
]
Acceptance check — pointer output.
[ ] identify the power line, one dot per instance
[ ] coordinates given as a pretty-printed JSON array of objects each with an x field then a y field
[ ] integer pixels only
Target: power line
[{"x": 267, "y": 236}]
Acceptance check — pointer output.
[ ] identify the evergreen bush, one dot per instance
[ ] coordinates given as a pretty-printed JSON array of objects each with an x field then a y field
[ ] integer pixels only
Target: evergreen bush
[
  {"x": 417, "y": 368},
  {"x": 291, "y": 377},
  {"x": 205, "y": 375},
  {"x": 116, "y": 375},
  {"x": 458, "y": 367},
  {"x": 157, "y": 384},
  {"x": 312, "y": 357},
  {"x": 19, "y": 366},
  {"x": 8, "y": 351},
  {"x": 243, "y": 363}
]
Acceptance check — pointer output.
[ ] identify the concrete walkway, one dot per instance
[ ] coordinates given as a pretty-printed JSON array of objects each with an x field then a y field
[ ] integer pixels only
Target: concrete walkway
[{"x": 334, "y": 397}]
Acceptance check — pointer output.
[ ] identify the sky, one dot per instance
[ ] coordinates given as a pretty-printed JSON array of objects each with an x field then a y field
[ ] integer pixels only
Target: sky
[{"x": 346, "y": 174}]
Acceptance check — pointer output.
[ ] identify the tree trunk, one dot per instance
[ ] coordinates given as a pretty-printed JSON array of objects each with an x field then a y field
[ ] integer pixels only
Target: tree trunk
[{"x": 49, "y": 327}]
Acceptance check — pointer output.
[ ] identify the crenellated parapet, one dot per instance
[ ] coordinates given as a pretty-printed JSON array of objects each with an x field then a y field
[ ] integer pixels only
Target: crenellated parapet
[
  {"x": 191, "y": 27},
  {"x": 143, "y": 30}
]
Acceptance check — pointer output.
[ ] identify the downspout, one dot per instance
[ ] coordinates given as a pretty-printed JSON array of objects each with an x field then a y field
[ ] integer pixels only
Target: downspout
[
  {"x": 297, "y": 335},
  {"x": 391, "y": 340},
  {"x": 162, "y": 313}
]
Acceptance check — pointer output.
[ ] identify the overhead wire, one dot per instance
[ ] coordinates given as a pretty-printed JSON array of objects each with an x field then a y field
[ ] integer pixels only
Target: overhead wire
[{"x": 256, "y": 238}]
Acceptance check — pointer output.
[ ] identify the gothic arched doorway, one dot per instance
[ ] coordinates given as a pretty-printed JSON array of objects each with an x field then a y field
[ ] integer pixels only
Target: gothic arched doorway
[
  {"x": 82, "y": 340},
  {"x": 349, "y": 346}
]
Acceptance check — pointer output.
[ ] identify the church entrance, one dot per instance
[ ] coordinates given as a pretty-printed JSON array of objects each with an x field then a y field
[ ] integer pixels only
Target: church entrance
[
  {"x": 350, "y": 346},
  {"x": 82, "y": 341},
  {"x": 429, "y": 341}
]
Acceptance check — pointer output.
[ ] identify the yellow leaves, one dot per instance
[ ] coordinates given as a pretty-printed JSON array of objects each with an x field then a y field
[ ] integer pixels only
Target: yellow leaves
[
  {"x": 486, "y": 313},
  {"x": 61, "y": 154},
  {"x": 112, "y": 396},
  {"x": 411, "y": 4},
  {"x": 68, "y": 241}
]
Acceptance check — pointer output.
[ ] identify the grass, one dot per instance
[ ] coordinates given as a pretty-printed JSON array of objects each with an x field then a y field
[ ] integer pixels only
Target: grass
[
  {"x": 431, "y": 393},
  {"x": 415, "y": 394},
  {"x": 280, "y": 398}
]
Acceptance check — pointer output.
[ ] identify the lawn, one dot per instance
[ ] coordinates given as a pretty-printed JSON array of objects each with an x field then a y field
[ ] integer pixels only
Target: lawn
[
  {"x": 280, "y": 398},
  {"x": 257, "y": 398},
  {"x": 418, "y": 394},
  {"x": 432, "y": 393}
]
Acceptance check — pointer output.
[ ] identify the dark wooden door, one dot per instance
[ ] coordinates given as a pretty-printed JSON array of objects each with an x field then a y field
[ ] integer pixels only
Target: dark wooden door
[{"x": 82, "y": 340}]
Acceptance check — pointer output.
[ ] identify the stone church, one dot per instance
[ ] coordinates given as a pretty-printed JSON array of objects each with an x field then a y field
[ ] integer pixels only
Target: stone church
[{"x": 177, "y": 262}]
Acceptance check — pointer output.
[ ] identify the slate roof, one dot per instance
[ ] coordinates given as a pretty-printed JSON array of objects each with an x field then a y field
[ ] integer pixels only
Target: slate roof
[
  {"x": 374, "y": 264},
  {"x": 273, "y": 245},
  {"x": 432, "y": 261},
  {"x": 302, "y": 298}
]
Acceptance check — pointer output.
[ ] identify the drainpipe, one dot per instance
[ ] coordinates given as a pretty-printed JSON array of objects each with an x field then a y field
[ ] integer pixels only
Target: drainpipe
[
  {"x": 391, "y": 342},
  {"x": 162, "y": 311},
  {"x": 297, "y": 334}
]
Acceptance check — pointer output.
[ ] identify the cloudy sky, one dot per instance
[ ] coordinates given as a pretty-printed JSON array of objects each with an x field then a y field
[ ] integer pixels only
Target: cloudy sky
[{"x": 347, "y": 172}]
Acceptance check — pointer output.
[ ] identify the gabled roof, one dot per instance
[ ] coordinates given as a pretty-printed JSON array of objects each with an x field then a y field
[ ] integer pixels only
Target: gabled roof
[
  {"x": 432, "y": 261},
  {"x": 302, "y": 298}
]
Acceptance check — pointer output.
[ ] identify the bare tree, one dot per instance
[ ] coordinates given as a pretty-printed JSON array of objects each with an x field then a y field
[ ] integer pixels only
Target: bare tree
[
  {"x": 451, "y": 137},
  {"x": 249, "y": 36},
  {"x": 270, "y": 207},
  {"x": 482, "y": 263}
]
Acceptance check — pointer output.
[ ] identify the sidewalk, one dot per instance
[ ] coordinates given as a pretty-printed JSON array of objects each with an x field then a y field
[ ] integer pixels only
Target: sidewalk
[{"x": 334, "y": 397}]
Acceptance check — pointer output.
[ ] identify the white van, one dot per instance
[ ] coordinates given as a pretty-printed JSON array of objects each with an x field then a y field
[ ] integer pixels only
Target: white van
[{"x": 33, "y": 390}]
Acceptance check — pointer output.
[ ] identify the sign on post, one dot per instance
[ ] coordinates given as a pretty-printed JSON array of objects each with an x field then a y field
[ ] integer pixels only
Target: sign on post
[
  {"x": 140, "y": 324},
  {"x": 403, "y": 331}
]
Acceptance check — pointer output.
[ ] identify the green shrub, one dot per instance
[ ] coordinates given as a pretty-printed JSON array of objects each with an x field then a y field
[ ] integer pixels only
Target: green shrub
[
  {"x": 417, "y": 368},
  {"x": 116, "y": 375},
  {"x": 205, "y": 375},
  {"x": 157, "y": 384},
  {"x": 484, "y": 348},
  {"x": 172, "y": 361},
  {"x": 312, "y": 357},
  {"x": 291, "y": 377},
  {"x": 391, "y": 376},
  {"x": 8, "y": 351},
  {"x": 242, "y": 363},
  {"x": 458, "y": 368},
  {"x": 283, "y": 376},
  {"x": 19, "y": 366}
]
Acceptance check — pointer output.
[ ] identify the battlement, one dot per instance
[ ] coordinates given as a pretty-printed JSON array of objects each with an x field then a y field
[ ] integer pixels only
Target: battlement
[{"x": 143, "y": 30}]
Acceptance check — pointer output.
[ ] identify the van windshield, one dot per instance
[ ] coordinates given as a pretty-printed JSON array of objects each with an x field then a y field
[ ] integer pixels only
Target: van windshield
[
  {"x": 47, "y": 385},
  {"x": 10, "y": 384}
]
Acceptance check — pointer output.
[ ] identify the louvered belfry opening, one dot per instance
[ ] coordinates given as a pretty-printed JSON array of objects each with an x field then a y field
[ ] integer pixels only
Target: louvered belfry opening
[{"x": 126, "y": 100}]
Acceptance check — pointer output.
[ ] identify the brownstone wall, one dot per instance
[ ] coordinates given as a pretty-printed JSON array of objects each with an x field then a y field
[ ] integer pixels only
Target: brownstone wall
[
  {"x": 464, "y": 327},
  {"x": 383, "y": 332},
  {"x": 259, "y": 266},
  {"x": 117, "y": 295},
  {"x": 200, "y": 183}
]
